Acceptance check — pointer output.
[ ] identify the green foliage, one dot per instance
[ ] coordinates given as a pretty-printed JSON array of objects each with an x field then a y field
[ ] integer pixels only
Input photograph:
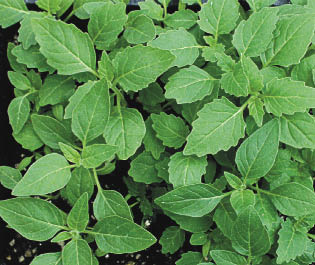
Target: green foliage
[{"x": 212, "y": 113}]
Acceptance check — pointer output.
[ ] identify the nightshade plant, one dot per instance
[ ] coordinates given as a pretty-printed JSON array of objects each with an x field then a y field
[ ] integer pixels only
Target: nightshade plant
[{"x": 222, "y": 140}]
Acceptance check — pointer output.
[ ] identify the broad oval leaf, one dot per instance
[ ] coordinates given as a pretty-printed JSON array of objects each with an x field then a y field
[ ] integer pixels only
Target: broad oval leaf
[
  {"x": 90, "y": 116},
  {"x": 118, "y": 235},
  {"x": 110, "y": 202},
  {"x": 170, "y": 129},
  {"x": 140, "y": 30},
  {"x": 257, "y": 154},
  {"x": 252, "y": 37},
  {"x": 241, "y": 199},
  {"x": 9, "y": 177},
  {"x": 172, "y": 239},
  {"x": 219, "y": 17},
  {"x": 180, "y": 43},
  {"x": 106, "y": 22},
  {"x": 11, "y": 12},
  {"x": 189, "y": 85},
  {"x": 19, "y": 111},
  {"x": 293, "y": 35},
  {"x": 194, "y": 200},
  {"x": 286, "y": 96},
  {"x": 219, "y": 126},
  {"x": 137, "y": 67},
  {"x": 34, "y": 219},
  {"x": 293, "y": 199},
  {"x": 66, "y": 48},
  {"x": 298, "y": 130},
  {"x": 186, "y": 170},
  {"x": 225, "y": 257},
  {"x": 48, "y": 259},
  {"x": 249, "y": 236},
  {"x": 126, "y": 130},
  {"x": 185, "y": 18},
  {"x": 77, "y": 252},
  {"x": 94, "y": 155},
  {"x": 51, "y": 131},
  {"x": 48, "y": 174}
]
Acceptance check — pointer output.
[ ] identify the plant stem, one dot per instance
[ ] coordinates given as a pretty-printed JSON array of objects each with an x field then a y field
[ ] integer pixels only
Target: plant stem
[
  {"x": 69, "y": 16},
  {"x": 311, "y": 236},
  {"x": 127, "y": 197},
  {"x": 119, "y": 96},
  {"x": 200, "y": 3},
  {"x": 165, "y": 8},
  {"x": 134, "y": 204},
  {"x": 98, "y": 184}
]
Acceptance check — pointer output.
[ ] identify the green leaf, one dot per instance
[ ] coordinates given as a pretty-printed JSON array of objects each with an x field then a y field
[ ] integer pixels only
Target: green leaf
[
  {"x": 256, "y": 5},
  {"x": 286, "y": 96},
  {"x": 252, "y": 37},
  {"x": 80, "y": 182},
  {"x": 224, "y": 257},
  {"x": 172, "y": 239},
  {"x": 70, "y": 153},
  {"x": 304, "y": 71},
  {"x": 90, "y": 116},
  {"x": 71, "y": 52},
  {"x": 118, "y": 235},
  {"x": 48, "y": 259},
  {"x": 28, "y": 138},
  {"x": 185, "y": 170},
  {"x": 191, "y": 224},
  {"x": 190, "y": 258},
  {"x": 256, "y": 110},
  {"x": 105, "y": 67},
  {"x": 194, "y": 200},
  {"x": 19, "y": 80},
  {"x": 106, "y": 22},
  {"x": 219, "y": 17},
  {"x": 77, "y": 252},
  {"x": 76, "y": 98},
  {"x": 110, "y": 202},
  {"x": 142, "y": 169},
  {"x": 94, "y": 155},
  {"x": 9, "y": 177},
  {"x": 293, "y": 199},
  {"x": 62, "y": 236},
  {"x": 64, "y": 6},
  {"x": 245, "y": 78},
  {"x": 293, "y": 35},
  {"x": 11, "y": 12},
  {"x": 32, "y": 58},
  {"x": 139, "y": 30},
  {"x": 234, "y": 181},
  {"x": 152, "y": 95},
  {"x": 34, "y": 219},
  {"x": 257, "y": 154},
  {"x": 181, "y": 19},
  {"x": 249, "y": 236},
  {"x": 189, "y": 85},
  {"x": 51, "y": 6},
  {"x": 151, "y": 143},
  {"x": 198, "y": 239},
  {"x": 153, "y": 10},
  {"x": 291, "y": 243},
  {"x": 180, "y": 43},
  {"x": 15, "y": 65},
  {"x": 241, "y": 199},
  {"x": 219, "y": 126},
  {"x": 137, "y": 67},
  {"x": 51, "y": 131},
  {"x": 48, "y": 174},
  {"x": 19, "y": 111},
  {"x": 56, "y": 89},
  {"x": 78, "y": 217},
  {"x": 170, "y": 129},
  {"x": 298, "y": 130},
  {"x": 126, "y": 130}
]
